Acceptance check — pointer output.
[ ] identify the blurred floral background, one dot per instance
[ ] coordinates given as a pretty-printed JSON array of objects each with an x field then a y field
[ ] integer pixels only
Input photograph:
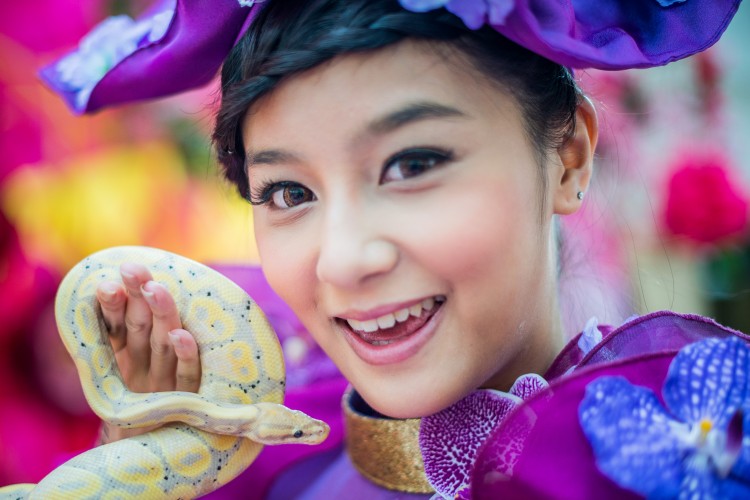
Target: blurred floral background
[{"x": 664, "y": 226}]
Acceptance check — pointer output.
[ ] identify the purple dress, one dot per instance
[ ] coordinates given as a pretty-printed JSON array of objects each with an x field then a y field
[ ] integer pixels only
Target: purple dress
[{"x": 540, "y": 451}]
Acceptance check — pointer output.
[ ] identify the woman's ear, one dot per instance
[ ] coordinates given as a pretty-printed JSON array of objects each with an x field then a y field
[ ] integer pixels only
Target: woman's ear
[{"x": 577, "y": 159}]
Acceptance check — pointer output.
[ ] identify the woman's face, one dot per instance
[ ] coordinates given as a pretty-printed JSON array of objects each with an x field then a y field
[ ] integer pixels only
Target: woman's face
[{"x": 401, "y": 220}]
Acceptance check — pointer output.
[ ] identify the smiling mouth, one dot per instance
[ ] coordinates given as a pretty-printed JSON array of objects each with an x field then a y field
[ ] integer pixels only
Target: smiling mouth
[{"x": 392, "y": 327}]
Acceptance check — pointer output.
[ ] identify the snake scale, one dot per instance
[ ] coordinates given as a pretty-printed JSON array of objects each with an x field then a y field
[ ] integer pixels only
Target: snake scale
[{"x": 209, "y": 437}]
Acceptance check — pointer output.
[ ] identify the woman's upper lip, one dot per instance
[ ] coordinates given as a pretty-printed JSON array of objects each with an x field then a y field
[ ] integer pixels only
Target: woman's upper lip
[{"x": 376, "y": 312}]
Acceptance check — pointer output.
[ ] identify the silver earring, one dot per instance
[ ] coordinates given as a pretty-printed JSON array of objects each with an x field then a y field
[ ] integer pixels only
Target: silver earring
[{"x": 580, "y": 195}]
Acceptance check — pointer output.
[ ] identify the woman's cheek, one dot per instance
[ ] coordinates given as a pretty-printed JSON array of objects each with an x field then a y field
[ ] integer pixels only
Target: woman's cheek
[
  {"x": 282, "y": 263},
  {"x": 471, "y": 235}
]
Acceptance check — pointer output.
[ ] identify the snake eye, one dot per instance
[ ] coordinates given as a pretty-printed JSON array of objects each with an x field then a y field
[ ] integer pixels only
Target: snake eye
[{"x": 298, "y": 434}]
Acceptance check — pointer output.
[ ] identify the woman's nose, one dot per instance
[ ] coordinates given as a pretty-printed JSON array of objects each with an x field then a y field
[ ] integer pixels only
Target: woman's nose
[{"x": 352, "y": 252}]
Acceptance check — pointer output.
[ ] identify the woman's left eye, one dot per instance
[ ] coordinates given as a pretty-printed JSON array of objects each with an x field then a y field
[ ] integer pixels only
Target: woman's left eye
[{"x": 412, "y": 163}]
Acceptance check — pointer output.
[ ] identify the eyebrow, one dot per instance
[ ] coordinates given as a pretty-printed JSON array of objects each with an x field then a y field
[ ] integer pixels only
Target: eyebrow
[
  {"x": 269, "y": 157},
  {"x": 408, "y": 114},
  {"x": 412, "y": 112}
]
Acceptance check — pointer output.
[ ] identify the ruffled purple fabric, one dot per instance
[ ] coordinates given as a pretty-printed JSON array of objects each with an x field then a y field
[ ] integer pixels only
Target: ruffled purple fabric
[
  {"x": 541, "y": 451},
  {"x": 186, "y": 55},
  {"x": 135, "y": 61},
  {"x": 602, "y": 34}
]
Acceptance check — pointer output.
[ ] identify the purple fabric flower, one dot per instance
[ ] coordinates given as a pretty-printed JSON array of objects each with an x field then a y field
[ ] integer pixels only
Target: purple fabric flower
[
  {"x": 693, "y": 447},
  {"x": 474, "y": 13},
  {"x": 109, "y": 42},
  {"x": 590, "y": 336},
  {"x": 450, "y": 439}
]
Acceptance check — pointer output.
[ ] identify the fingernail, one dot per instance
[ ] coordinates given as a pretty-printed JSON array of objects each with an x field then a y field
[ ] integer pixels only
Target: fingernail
[
  {"x": 176, "y": 339},
  {"x": 108, "y": 292},
  {"x": 148, "y": 294},
  {"x": 126, "y": 275}
]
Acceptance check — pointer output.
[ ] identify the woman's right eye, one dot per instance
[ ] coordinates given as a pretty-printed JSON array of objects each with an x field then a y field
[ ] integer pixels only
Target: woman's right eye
[{"x": 283, "y": 195}]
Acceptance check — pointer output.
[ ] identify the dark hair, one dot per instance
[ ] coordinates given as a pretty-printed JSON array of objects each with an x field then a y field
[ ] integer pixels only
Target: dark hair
[{"x": 291, "y": 36}]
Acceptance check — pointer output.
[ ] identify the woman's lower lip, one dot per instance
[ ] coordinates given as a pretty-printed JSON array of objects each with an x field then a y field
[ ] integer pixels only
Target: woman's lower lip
[{"x": 396, "y": 350}]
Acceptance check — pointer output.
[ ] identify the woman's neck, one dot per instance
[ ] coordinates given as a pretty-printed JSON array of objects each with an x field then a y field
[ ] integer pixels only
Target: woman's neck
[{"x": 543, "y": 329}]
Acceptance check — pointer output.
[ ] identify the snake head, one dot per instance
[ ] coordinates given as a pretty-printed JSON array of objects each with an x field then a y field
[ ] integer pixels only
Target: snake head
[{"x": 277, "y": 424}]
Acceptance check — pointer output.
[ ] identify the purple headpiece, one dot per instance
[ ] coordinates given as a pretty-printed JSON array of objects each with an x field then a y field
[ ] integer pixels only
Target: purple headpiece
[{"x": 180, "y": 44}]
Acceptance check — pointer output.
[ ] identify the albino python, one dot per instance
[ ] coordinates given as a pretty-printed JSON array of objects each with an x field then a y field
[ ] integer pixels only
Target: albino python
[{"x": 214, "y": 434}]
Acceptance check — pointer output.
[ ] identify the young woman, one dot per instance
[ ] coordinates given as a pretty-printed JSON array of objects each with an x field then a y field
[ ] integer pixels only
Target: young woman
[{"x": 406, "y": 163}]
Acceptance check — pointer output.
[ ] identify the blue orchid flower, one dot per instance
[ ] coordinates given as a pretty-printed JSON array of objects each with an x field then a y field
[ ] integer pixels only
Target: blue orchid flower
[
  {"x": 696, "y": 447},
  {"x": 667, "y": 3},
  {"x": 474, "y": 13}
]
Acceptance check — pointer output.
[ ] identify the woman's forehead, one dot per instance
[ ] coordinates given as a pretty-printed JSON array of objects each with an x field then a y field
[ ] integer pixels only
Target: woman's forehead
[{"x": 378, "y": 90}]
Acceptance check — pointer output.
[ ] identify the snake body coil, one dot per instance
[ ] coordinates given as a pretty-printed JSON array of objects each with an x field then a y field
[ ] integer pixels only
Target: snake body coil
[{"x": 214, "y": 434}]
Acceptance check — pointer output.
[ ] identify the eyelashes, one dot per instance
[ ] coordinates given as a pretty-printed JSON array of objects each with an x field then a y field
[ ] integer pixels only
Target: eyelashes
[
  {"x": 264, "y": 192},
  {"x": 404, "y": 165},
  {"x": 414, "y": 162}
]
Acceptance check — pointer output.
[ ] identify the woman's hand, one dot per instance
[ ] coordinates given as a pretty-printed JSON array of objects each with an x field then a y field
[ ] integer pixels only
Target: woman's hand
[{"x": 152, "y": 350}]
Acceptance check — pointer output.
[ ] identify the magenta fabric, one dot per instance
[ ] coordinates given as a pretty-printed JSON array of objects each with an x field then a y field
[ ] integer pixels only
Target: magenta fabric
[
  {"x": 342, "y": 481},
  {"x": 542, "y": 442}
]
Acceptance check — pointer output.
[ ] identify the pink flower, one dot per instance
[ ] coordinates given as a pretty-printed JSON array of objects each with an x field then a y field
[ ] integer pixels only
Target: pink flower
[{"x": 703, "y": 204}]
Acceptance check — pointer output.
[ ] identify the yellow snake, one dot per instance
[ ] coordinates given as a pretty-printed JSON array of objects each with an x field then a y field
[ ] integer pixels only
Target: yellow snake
[{"x": 214, "y": 434}]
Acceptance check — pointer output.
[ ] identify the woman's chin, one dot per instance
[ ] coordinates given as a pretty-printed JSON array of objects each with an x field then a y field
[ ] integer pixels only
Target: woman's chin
[{"x": 408, "y": 405}]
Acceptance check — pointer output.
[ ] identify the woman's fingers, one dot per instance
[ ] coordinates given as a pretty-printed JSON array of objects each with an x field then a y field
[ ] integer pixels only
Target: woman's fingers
[
  {"x": 164, "y": 319},
  {"x": 113, "y": 299},
  {"x": 153, "y": 352},
  {"x": 188, "y": 375},
  {"x": 138, "y": 320}
]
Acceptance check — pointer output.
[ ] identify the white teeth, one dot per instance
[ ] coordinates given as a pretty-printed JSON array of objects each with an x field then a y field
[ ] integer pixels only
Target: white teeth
[
  {"x": 370, "y": 325},
  {"x": 401, "y": 315},
  {"x": 386, "y": 321},
  {"x": 389, "y": 320},
  {"x": 416, "y": 310}
]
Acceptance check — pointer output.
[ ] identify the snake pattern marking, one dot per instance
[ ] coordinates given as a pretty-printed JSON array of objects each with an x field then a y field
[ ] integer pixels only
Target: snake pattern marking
[{"x": 209, "y": 437}]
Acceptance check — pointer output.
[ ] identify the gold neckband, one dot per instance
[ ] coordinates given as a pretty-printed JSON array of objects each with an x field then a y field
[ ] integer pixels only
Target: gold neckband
[{"x": 385, "y": 451}]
